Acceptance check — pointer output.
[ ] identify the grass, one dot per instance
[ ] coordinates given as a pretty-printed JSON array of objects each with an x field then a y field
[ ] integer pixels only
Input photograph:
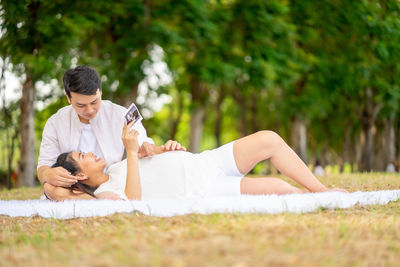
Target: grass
[{"x": 360, "y": 236}]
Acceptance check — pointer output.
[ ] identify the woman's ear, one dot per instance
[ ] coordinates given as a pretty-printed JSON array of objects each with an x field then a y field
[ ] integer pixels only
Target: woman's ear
[{"x": 81, "y": 176}]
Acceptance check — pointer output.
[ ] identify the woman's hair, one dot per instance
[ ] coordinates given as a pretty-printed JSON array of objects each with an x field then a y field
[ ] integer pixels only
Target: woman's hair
[{"x": 66, "y": 161}]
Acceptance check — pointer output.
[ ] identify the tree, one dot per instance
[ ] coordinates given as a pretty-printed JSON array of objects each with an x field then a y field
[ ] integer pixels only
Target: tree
[
  {"x": 37, "y": 36},
  {"x": 8, "y": 124}
]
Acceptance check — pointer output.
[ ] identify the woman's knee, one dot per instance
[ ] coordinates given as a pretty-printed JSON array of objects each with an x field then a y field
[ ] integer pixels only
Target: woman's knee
[{"x": 269, "y": 138}]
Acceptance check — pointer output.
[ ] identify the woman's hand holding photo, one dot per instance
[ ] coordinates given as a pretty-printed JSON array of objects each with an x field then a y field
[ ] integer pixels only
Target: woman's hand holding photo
[{"x": 130, "y": 139}]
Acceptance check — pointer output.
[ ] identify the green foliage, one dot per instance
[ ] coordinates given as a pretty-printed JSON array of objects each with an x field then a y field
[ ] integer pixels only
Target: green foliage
[
  {"x": 37, "y": 34},
  {"x": 250, "y": 65}
]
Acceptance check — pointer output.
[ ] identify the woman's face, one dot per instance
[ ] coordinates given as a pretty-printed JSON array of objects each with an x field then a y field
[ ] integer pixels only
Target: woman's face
[{"x": 89, "y": 163}]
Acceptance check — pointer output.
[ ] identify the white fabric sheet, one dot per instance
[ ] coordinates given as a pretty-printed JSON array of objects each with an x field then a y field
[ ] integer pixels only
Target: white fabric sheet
[{"x": 271, "y": 204}]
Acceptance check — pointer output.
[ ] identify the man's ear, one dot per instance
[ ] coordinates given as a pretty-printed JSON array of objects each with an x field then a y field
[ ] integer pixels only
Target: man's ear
[{"x": 69, "y": 100}]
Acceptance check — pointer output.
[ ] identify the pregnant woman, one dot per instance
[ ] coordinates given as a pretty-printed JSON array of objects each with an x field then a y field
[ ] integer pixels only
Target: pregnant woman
[{"x": 181, "y": 174}]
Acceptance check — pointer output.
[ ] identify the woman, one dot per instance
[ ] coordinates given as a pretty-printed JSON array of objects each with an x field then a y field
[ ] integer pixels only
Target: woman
[{"x": 180, "y": 174}]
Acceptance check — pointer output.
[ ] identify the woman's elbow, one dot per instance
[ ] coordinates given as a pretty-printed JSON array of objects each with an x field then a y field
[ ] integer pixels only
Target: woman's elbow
[{"x": 54, "y": 192}]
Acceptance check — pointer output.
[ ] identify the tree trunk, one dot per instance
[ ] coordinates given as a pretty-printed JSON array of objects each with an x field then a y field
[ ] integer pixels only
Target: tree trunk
[
  {"x": 325, "y": 150},
  {"x": 241, "y": 101},
  {"x": 254, "y": 111},
  {"x": 357, "y": 151},
  {"x": 26, "y": 165},
  {"x": 397, "y": 140},
  {"x": 218, "y": 116},
  {"x": 368, "y": 147},
  {"x": 199, "y": 97},
  {"x": 11, "y": 151},
  {"x": 8, "y": 139},
  {"x": 196, "y": 128},
  {"x": 390, "y": 142},
  {"x": 368, "y": 116},
  {"x": 346, "y": 149},
  {"x": 299, "y": 138},
  {"x": 175, "y": 120},
  {"x": 133, "y": 94},
  {"x": 379, "y": 159},
  {"x": 126, "y": 98},
  {"x": 147, "y": 13}
]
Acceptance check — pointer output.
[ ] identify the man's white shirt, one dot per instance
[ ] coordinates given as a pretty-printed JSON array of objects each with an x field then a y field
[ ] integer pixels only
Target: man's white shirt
[
  {"x": 63, "y": 133},
  {"x": 88, "y": 141}
]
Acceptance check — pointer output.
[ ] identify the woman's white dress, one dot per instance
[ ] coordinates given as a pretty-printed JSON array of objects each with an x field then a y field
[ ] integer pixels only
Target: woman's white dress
[{"x": 178, "y": 175}]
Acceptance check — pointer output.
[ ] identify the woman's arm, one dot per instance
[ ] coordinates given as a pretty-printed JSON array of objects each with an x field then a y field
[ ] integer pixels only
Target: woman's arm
[
  {"x": 58, "y": 193},
  {"x": 133, "y": 189}
]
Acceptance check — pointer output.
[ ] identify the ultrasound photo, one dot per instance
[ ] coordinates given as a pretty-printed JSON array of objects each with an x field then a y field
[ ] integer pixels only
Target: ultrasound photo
[{"x": 132, "y": 114}]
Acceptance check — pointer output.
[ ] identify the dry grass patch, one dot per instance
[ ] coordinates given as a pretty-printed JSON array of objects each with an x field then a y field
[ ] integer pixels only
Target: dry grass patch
[{"x": 360, "y": 236}]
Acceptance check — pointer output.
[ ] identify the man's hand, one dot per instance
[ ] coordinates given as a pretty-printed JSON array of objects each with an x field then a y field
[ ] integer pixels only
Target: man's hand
[
  {"x": 58, "y": 176},
  {"x": 147, "y": 150},
  {"x": 172, "y": 145}
]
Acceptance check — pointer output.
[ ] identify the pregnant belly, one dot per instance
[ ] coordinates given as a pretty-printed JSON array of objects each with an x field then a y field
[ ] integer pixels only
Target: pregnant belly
[{"x": 165, "y": 175}]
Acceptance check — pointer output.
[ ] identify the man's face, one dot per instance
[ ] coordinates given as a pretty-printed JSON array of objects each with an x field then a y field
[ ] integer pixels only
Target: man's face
[{"x": 86, "y": 106}]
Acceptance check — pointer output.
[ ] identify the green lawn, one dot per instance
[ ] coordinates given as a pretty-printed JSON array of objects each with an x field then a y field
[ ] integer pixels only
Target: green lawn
[{"x": 360, "y": 236}]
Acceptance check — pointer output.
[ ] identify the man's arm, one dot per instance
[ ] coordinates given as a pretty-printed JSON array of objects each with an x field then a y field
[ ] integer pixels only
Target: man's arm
[
  {"x": 56, "y": 176},
  {"x": 149, "y": 150},
  {"x": 49, "y": 151}
]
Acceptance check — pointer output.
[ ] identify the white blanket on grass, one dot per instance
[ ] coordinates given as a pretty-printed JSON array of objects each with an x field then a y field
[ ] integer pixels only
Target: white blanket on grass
[{"x": 272, "y": 204}]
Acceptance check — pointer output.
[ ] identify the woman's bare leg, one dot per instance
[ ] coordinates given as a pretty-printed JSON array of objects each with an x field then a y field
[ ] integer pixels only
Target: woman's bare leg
[
  {"x": 267, "y": 186},
  {"x": 250, "y": 150}
]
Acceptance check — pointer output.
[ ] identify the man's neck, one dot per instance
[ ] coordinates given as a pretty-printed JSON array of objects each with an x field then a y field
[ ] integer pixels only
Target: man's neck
[{"x": 85, "y": 121}]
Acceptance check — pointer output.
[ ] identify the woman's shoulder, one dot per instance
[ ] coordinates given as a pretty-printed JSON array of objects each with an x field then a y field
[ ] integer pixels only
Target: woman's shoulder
[{"x": 117, "y": 167}]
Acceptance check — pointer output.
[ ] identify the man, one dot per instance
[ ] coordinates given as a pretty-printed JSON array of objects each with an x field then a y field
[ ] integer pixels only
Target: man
[{"x": 88, "y": 124}]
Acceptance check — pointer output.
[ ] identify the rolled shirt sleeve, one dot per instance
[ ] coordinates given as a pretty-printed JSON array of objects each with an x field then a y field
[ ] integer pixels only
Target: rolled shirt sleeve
[
  {"x": 142, "y": 133},
  {"x": 50, "y": 146}
]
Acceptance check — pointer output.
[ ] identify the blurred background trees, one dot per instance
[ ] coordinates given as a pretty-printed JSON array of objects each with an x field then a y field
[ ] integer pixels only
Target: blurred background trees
[{"x": 323, "y": 73}]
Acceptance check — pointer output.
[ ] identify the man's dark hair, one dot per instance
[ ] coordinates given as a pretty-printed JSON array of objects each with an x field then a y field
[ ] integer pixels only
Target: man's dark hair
[
  {"x": 81, "y": 80},
  {"x": 66, "y": 161}
]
